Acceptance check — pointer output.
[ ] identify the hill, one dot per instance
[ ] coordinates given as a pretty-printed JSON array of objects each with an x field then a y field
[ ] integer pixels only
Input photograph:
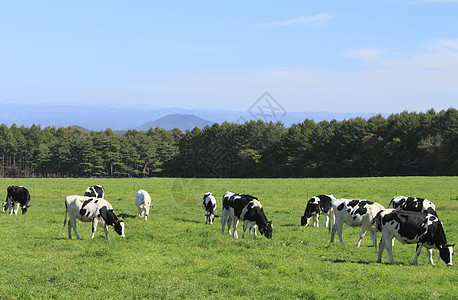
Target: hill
[{"x": 181, "y": 121}]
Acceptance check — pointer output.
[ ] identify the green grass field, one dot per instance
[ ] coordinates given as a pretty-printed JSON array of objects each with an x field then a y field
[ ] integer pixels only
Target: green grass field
[{"x": 175, "y": 255}]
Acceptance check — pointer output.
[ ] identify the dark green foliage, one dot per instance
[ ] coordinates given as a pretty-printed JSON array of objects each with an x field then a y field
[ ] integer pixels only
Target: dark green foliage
[{"x": 402, "y": 144}]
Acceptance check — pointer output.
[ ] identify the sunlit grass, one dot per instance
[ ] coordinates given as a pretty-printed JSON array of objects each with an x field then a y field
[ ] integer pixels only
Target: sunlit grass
[{"x": 175, "y": 255}]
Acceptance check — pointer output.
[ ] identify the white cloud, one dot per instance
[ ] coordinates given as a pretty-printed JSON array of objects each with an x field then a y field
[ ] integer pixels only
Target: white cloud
[
  {"x": 315, "y": 20},
  {"x": 442, "y": 55}
]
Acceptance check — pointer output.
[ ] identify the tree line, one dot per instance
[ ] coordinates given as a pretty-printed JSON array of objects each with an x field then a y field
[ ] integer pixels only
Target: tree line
[{"x": 406, "y": 143}]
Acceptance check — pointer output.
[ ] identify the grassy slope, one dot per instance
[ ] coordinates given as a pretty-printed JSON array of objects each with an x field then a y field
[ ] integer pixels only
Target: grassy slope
[{"x": 174, "y": 254}]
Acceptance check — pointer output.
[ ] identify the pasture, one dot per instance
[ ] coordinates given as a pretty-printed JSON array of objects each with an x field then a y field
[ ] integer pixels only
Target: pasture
[{"x": 175, "y": 255}]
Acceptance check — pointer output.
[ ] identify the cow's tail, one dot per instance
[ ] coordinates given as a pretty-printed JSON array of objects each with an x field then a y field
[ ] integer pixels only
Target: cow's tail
[
  {"x": 66, "y": 211},
  {"x": 391, "y": 202}
]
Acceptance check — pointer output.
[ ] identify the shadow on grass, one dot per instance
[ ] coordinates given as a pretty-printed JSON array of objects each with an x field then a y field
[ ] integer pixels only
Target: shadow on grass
[
  {"x": 187, "y": 220},
  {"x": 124, "y": 216},
  {"x": 346, "y": 261},
  {"x": 288, "y": 225}
]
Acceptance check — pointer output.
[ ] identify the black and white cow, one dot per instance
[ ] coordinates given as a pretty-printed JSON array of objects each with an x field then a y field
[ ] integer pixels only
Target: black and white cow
[
  {"x": 355, "y": 213},
  {"x": 18, "y": 195},
  {"x": 91, "y": 209},
  {"x": 95, "y": 191},
  {"x": 413, "y": 228},
  {"x": 209, "y": 204},
  {"x": 413, "y": 204},
  {"x": 247, "y": 208},
  {"x": 316, "y": 206}
]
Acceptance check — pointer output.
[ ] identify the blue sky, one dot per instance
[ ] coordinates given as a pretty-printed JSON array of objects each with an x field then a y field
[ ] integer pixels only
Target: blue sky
[{"x": 340, "y": 56}]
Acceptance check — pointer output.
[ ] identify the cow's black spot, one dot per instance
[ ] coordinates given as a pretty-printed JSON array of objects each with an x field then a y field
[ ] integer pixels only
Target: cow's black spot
[
  {"x": 362, "y": 209},
  {"x": 353, "y": 203},
  {"x": 83, "y": 211},
  {"x": 341, "y": 206}
]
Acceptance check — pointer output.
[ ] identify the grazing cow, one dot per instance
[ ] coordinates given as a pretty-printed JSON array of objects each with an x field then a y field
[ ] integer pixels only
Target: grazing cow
[
  {"x": 413, "y": 228},
  {"x": 355, "y": 213},
  {"x": 95, "y": 191},
  {"x": 209, "y": 204},
  {"x": 91, "y": 209},
  {"x": 18, "y": 195},
  {"x": 143, "y": 202},
  {"x": 413, "y": 204},
  {"x": 316, "y": 206},
  {"x": 247, "y": 208}
]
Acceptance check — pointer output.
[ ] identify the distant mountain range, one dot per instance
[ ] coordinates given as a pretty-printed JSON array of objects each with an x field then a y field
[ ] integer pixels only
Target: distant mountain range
[{"x": 101, "y": 117}]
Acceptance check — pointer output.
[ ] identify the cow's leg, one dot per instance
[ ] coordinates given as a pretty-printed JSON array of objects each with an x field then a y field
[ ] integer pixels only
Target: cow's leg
[
  {"x": 373, "y": 236},
  {"x": 139, "y": 212},
  {"x": 72, "y": 224},
  {"x": 253, "y": 228},
  {"x": 364, "y": 228},
  {"x": 381, "y": 247},
  {"x": 245, "y": 225},
  {"x": 10, "y": 207},
  {"x": 417, "y": 253},
  {"x": 223, "y": 220},
  {"x": 235, "y": 222},
  {"x": 94, "y": 227},
  {"x": 430, "y": 256},
  {"x": 388, "y": 247},
  {"x": 105, "y": 228},
  {"x": 316, "y": 220},
  {"x": 69, "y": 228},
  {"x": 327, "y": 220},
  {"x": 337, "y": 227},
  {"x": 333, "y": 232},
  {"x": 17, "y": 208}
]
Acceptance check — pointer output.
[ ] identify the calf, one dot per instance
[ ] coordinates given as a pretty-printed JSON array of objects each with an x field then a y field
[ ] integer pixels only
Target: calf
[
  {"x": 410, "y": 228},
  {"x": 143, "y": 203},
  {"x": 95, "y": 191},
  {"x": 355, "y": 213},
  {"x": 90, "y": 209},
  {"x": 413, "y": 204},
  {"x": 316, "y": 206},
  {"x": 209, "y": 204},
  {"x": 247, "y": 208},
  {"x": 18, "y": 195}
]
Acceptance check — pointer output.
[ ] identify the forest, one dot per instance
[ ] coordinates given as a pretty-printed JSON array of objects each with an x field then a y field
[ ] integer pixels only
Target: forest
[{"x": 407, "y": 143}]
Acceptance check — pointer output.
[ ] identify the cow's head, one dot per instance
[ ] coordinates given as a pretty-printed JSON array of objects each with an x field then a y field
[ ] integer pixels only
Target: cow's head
[
  {"x": 146, "y": 207},
  {"x": 305, "y": 221},
  {"x": 119, "y": 228},
  {"x": 210, "y": 217},
  {"x": 24, "y": 209},
  {"x": 446, "y": 253},
  {"x": 267, "y": 230}
]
